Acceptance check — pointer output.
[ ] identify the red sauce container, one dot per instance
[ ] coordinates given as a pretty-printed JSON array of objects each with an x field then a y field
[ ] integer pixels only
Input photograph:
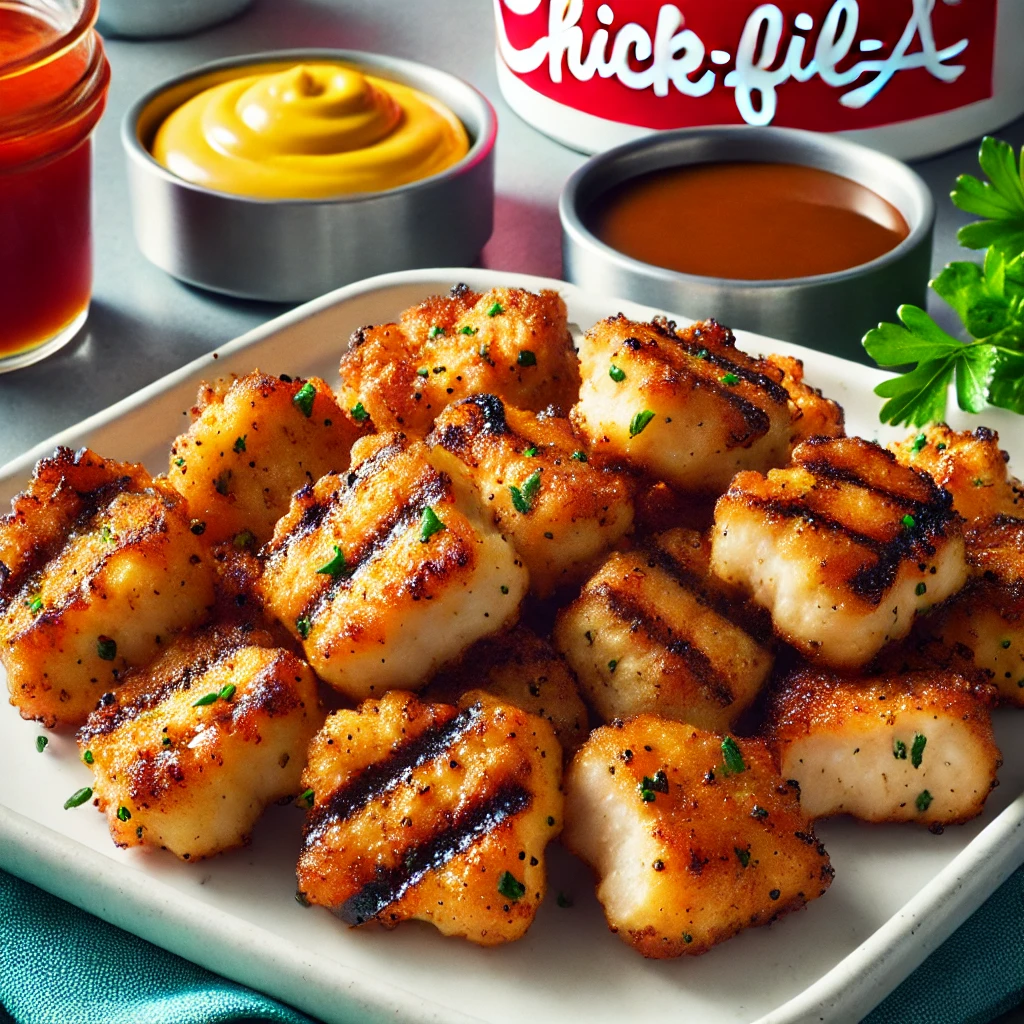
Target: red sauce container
[{"x": 53, "y": 88}]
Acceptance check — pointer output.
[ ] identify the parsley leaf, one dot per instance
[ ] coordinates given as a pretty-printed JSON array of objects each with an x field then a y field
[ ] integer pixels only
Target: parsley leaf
[
  {"x": 523, "y": 497},
  {"x": 1000, "y": 200},
  {"x": 430, "y": 524},
  {"x": 336, "y": 567}
]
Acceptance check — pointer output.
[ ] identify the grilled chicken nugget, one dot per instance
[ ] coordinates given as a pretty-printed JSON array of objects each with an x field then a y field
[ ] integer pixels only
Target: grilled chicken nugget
[
  {"x": 431, "y": 812},
  {"x": 507, "y": 342},
  {"x": 987, "y": 617},
  {"x": 255, "y": 440},
  {"x": 189, "y": 752},
  {"x": 685, "y": 405},
  {"x": 389, "y": 572},
  {"x": 843, "y": 547},
  {"x": 693, "y": 838},
  {"x": 915, "y": 747},
  {"x": 560, "y": 511},
  {"x": 971, "y": 466},
  {"x": 97, "y": 568},
  {"x": 812, "y": 414},
  {"x": 653, "y": 632},
  {"x": 520, "y": 667}
]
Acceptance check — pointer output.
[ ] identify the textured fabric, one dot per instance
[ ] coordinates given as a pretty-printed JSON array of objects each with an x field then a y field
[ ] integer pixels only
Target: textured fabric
[
  {"x": 59, "y": 965},
  {"x": 975, "y": 975}
]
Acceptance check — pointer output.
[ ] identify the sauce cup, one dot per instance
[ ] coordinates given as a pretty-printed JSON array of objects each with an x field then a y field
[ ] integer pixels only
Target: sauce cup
[
  {"x": 291, "y": 250},
  {"x": 830, "y": 311}
]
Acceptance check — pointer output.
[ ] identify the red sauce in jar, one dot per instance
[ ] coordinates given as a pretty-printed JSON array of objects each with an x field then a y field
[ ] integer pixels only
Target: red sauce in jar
[
  {"x": 748, "y": 221},
  {"x": 53, "y": 82}
]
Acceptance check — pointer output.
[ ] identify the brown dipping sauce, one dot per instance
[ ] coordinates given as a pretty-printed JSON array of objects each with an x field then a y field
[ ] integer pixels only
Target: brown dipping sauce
[{"x": 747, "y": 221}]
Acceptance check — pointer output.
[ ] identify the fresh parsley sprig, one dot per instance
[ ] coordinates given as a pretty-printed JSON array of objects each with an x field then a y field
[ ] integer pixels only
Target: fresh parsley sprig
[{"x": 988, "y": 369}]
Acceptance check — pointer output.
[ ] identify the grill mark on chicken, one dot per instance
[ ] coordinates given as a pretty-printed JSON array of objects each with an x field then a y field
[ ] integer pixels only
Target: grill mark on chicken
[
  {"x": 314, "y": 515},
  {"x": 697, "y": 662},
  {"x": 391, "y": 884},
  {"x": 490, "y": 419},
  {"x": 427, "y": 491},
  {"x": 938, "y": 504},
  {"x": 697, "y": 585},
  {"x": 381, "y": 777},
  {"x": 108, "y": 717},
  {"x": 264, "y": 693}
]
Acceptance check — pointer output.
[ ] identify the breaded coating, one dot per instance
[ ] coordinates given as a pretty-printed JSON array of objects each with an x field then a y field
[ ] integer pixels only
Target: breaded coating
[
  {"x": 387, "y": 573},
  {"x": 683, "y": 405},
  {"x": 971, "y": 466},
  {"x": 520, "y": 667},
  {"x": 254, "y": 441},
  {"x": 812, "y": 414},
  {"x": 98, "y": 568},
  {"x": 189, "y": 752},
  {"x": 560, "y": 512},
  {"x": 986, "y": 619},
  {"x": 914, "y": 747},
  {"x": 507, "y": 342},
  {"x": 434, "y": 813},
  {"x": 843, "y": 547},
  {"x": 653, "y": 632},
  {"x": 692, "y": 837}
]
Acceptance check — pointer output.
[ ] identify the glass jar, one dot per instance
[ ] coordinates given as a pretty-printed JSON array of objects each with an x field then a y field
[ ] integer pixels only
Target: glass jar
[{"x": 53, "y": 88}]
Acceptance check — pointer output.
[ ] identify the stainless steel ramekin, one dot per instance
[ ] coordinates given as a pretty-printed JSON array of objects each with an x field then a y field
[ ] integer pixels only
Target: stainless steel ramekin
[
  {"x": 290, "y": 250},
  {"x": 827, "y": 311}
]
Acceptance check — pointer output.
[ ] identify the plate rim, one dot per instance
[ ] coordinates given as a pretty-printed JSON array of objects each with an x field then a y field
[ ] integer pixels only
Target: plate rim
[{"x": 40, "y": 855}]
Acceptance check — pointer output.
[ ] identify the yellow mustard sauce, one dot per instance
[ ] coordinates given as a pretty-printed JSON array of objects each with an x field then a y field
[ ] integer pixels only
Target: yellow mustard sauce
[{"x": 309, "y": 132}]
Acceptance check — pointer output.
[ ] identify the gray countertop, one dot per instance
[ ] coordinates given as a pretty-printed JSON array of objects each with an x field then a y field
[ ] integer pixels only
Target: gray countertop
[{"x": 143, "y": 324}]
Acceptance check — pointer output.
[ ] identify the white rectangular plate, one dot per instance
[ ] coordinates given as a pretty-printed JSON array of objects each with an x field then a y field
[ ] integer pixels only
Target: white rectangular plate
[{"x": 899, "y": 890}]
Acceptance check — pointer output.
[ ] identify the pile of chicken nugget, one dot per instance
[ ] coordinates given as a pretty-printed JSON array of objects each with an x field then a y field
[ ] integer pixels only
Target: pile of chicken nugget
[{"x": 644, "y": 595}]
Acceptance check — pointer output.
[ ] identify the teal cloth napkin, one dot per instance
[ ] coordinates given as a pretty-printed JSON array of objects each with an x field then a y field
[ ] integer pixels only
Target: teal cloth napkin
[{"x": 59, "y": 965}]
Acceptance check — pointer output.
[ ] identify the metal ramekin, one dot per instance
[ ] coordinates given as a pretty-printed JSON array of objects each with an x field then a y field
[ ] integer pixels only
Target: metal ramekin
[
  {"x": 828, "y": 311},
  {"x": 290, "y": 250}
]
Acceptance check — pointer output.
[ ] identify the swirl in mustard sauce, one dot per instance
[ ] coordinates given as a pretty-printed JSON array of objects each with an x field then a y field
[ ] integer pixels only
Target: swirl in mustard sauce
[{"x": 309, "y": 132}]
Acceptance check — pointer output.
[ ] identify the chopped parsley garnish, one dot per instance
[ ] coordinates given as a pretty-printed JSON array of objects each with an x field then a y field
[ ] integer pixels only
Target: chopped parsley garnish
[
  {"x": 639, "y": 422},
  {"x": 530, "y": 452},
  {"x": 207, "y": 698},
  {"x": 244, "y": 540},
  {"x": 703, "y": 353},
  {"x": 304, "y": 399},
  {"x": 733, "y": 758},
  {"x": 336, "y": 567},
  {"x": 504, "y": 589},
  {"x": 526, "y": 358},
  {"x": 495, "y": 309},
  {"x": 919, "y": 442},
  {"x": 468, "y": 330},
  {"x": 729, "y": 378},
  {"x": 78, "y": 798},
  {"x": 650, "y": 787},
  {"x": 921, "y": 589},
  {"x": 899, "y": 750},
  {"x": 106, "y": 534},
  {"x": 579, "y": 456},
  {"x": 563, "y": 901},
  {"x": 435, "y": 332},
  {"x": 220, "y": 485},
  {"x": 917, "y": 749},
  {"x": 308, "y": 797},
  {"x": 123, "y": 814},
  {"x": 1004, "y": 644},
  {"x": 359, "y": 413},
  {"x": 430, "y": 524},
  {"x": 510, "y": 887},
  {"x": 422, "y": 372},
  {"x": 35, "y": 605},
  {"x": 106, "y": 648},
  {"x": 616, "y": 374},
  {"x": 41, "y": 742},
  {"x": 226, "y": 692},
  {"x": 239, "y": 445},
  {"x": 303, "y": 625},
  {"x": 179, "y": 462},
  {"x": 909, "y": 521},
  {"x": 87, "y": 757},
  {"x": 742, "y": 855},
  {"x": 166, "y": 741},
  {"x": 759, "y": 812},
  {"x": 523, "y": 497},
  {"x": 687, "y": 938},
  {"x": 613, "y": 664},
  {"x": 923, "y": 801}
]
